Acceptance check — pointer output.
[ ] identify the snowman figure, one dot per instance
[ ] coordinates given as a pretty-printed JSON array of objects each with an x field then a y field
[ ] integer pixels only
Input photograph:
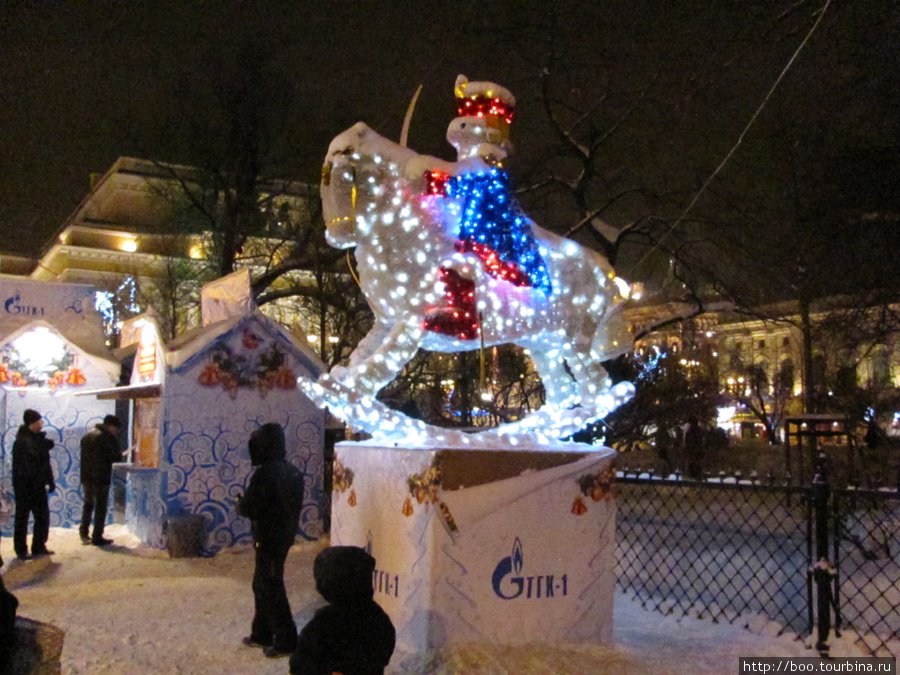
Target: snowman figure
[
  {"x": 481, "y": 132},
  {"x": 491, "y": 231}
]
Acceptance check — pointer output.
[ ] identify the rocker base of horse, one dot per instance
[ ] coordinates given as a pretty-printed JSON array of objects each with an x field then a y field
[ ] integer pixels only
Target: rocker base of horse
[{"x": 544, "y": 427}]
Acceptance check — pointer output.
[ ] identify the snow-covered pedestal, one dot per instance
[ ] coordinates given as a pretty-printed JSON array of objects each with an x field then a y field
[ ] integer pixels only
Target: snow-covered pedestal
[{"x": 506, "y": 547}]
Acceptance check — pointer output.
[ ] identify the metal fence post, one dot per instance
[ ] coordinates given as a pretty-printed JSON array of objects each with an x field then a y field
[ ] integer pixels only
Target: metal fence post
[
  {"x": 836, "y": 505},
  {"x": 823, "y": 572}
]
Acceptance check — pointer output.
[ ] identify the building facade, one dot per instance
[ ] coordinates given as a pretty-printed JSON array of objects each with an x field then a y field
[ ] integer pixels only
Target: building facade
[
  {"x": 130, "y": 238},
  {"x": 761, "y": 357}
]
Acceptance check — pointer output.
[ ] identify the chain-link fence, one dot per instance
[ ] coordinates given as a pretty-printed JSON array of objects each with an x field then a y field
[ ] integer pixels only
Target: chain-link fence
[
  {"x": 867, "y": 564},
  {"x": 745, "y": 552},
  {"x": 718, "y": 550}
]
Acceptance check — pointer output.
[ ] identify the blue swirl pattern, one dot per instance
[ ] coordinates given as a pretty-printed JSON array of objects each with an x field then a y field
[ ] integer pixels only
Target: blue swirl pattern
[
  {"x": 204, "y": 463},
  {"x": 208, "y": 464},
  {"x": 66, "y": 419}
]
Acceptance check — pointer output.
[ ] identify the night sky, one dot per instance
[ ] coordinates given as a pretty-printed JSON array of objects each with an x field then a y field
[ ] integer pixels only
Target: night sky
[{"x": 82, "y": 83}]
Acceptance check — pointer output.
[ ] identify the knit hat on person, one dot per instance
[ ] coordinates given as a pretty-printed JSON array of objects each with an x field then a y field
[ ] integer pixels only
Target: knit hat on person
[
  {"x": 30, "y": 417},
  {"x": 112, "y": 421}
]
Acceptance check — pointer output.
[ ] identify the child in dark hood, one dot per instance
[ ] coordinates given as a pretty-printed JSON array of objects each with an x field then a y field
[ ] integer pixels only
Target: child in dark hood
[
  {"x": 273, "y": 502},
  {"x": 352, "y": 635},
  {"x": 8, "y": 605}
]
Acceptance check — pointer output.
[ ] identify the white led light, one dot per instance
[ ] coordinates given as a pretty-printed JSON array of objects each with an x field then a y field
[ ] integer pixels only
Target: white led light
[{"x": 567, "y": 316}]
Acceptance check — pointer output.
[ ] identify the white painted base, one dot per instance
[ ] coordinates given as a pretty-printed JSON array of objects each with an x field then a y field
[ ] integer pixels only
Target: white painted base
[{"x": 509, "y": 547}]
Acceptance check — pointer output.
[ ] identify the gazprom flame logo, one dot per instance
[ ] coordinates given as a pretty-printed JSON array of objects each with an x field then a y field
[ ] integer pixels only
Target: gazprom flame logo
[
  {"x": 13, "y": 305},
  {"x": 509, "y": 582},
  {"x": 518, "y": 558}
]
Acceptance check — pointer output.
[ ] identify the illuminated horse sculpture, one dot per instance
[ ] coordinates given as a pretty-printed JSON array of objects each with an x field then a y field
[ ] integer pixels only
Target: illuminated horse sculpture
[{"x": 428, "y": 291}]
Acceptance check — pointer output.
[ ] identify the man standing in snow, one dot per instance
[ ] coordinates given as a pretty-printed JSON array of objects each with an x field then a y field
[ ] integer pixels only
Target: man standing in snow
[
  {"x": 32, "y": 480},
  {"x": 272, "y": 502},
  {"x": 99, "y": 450}
]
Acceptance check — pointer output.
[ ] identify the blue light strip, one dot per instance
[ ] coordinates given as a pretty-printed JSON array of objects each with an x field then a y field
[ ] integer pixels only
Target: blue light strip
[{"x": 491, "y": 217}]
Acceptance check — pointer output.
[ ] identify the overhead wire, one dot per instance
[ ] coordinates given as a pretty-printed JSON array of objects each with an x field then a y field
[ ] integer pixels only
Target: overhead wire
[{"x": 743, "y": 134}]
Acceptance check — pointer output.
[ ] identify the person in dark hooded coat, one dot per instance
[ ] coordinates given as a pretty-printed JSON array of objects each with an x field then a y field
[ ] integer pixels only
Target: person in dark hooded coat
[
  {"x": 272, "y": 502},
  {"x": 352, "y": 635},
  {"x": 8, "y": 605}
]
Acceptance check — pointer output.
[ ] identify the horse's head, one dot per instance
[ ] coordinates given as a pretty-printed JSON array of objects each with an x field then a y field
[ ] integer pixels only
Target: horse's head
[{"x": 358, "y": 167}]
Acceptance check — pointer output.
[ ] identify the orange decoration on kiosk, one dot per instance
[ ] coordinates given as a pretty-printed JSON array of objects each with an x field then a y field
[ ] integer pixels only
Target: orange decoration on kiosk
[
  {"x": 75, "y": 377},
  {"x": 210, "y": 375}
]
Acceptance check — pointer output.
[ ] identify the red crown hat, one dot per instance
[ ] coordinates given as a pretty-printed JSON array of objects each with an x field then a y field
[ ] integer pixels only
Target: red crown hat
[{"x": 484, "y": 99}]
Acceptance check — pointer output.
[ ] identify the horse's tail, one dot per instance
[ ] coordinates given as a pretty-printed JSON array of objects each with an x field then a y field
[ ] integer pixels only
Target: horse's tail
[{"x": 613, "y": 334}]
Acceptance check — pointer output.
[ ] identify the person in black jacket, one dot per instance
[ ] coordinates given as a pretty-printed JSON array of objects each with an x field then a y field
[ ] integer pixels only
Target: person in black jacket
[
  {"x": 352, "y": 635},
  {"x": 8, "y": 605},
  {"x": 272, "y": 502},
  {"x": 32, "y": 480},
  {"x": 99, "y": 450}
]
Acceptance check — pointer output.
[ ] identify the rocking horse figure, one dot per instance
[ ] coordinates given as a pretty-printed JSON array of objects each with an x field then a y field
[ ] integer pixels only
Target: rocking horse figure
[{"x": 448, "y": 263}]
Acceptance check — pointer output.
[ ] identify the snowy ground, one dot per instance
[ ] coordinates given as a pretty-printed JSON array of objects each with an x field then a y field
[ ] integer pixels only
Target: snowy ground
[{"x": 128, "y": 609}]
